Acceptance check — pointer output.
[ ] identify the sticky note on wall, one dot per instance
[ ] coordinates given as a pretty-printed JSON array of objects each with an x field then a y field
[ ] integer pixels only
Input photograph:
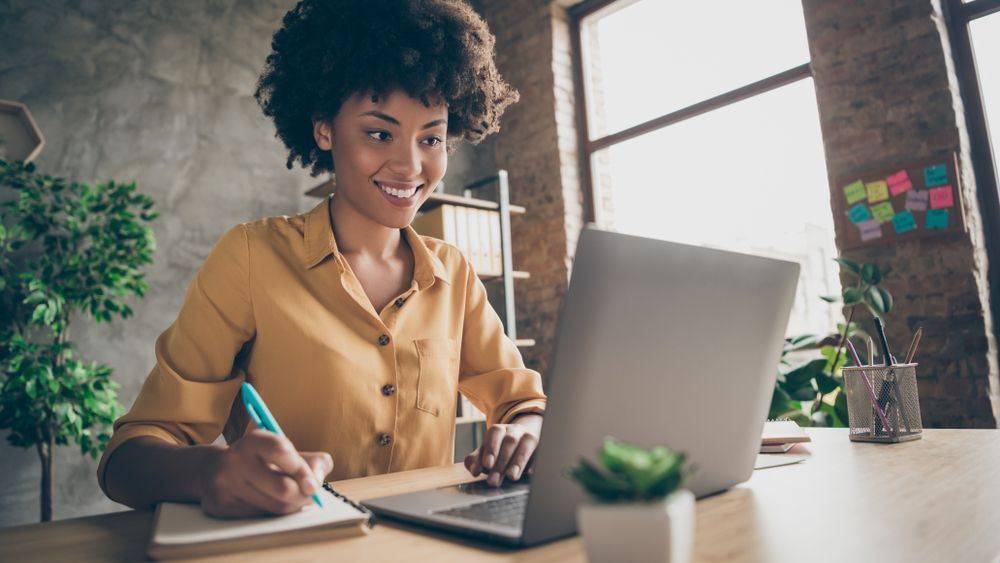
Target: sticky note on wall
[
  {"x": 904, "y": 222},
  {"x": 916, "y": 200},
  {"x": 936, "y": 175},
  {"x": 855, "y": 191},
  {"x": 937, "y": 219},
  {"x": 942, "y": 197},
  {"x": 870, "y": 230},
  {"x": 877, "y": 191},
  {"x": 883, "y": 212},
  {"x": 899, "y": 182},
  {"x": 859, "y": 213}
]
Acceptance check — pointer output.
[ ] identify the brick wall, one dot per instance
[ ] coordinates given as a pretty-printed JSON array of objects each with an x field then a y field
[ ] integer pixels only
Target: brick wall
[
  {"x": 538, "y": 145},
  {"x": 888, "y": 93}
]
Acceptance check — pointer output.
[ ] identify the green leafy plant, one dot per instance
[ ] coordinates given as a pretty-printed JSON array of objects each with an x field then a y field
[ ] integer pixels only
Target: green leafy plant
[
  {"x": 632, "y": 473},
  {"x": 65, "y": 249},
  {"x": 804, "y": 386}
]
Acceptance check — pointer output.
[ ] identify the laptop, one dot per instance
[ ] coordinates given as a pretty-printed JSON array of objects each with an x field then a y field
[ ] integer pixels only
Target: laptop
[{"x": 659, "y": 343}]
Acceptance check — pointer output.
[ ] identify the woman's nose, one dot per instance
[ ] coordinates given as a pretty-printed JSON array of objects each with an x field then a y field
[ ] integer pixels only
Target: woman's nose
[{"x": 405, "y": 160}]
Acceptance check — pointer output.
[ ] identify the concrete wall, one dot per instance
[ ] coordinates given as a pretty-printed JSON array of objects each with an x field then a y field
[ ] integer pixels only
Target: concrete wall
[{"x": 160, "y": 93}]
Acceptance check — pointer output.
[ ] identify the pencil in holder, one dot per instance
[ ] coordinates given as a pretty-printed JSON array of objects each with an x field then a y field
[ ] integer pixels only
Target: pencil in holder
[{"x": 882, "y": 403}]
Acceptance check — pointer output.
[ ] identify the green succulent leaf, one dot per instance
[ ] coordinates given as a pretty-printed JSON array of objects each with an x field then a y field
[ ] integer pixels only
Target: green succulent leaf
[{"x": 631, "y": 472}]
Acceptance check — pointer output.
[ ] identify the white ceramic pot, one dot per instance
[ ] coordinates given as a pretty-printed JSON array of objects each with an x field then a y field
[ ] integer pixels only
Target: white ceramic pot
[{"x": 661, "y": 531}]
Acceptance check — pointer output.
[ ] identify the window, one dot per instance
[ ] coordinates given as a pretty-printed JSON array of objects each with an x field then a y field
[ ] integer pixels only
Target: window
[
  {"x": 701, "y": 127},
  {"x": 975, "y": 35}
]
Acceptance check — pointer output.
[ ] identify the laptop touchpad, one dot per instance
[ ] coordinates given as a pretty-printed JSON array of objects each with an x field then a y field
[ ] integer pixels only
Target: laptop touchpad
[{"x": 482, "y": 489}]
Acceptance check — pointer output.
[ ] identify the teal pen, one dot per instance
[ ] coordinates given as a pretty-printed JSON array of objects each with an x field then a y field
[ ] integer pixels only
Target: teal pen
[{"x": 262, "y": 417}]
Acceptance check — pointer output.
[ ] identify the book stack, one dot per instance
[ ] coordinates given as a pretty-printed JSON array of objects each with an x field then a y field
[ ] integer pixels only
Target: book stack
[
  {"x": 779, "y": 436},
  {"x": 476, "y": 232}
]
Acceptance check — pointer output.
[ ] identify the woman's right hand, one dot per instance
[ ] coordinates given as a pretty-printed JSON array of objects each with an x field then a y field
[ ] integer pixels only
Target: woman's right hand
[{"x": 262, "y": 473}]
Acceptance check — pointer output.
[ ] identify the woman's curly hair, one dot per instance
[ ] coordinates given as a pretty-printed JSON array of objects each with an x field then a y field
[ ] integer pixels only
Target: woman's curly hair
[{"x": 329, "y": 50}]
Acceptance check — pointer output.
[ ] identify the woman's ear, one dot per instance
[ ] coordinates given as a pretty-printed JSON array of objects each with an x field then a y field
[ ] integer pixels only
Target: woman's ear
[{"x": 323, "y": 134}]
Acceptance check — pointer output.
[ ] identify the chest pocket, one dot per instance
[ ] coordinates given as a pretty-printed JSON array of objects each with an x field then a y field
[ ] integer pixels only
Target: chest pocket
[{"x": 437, "y": 383}]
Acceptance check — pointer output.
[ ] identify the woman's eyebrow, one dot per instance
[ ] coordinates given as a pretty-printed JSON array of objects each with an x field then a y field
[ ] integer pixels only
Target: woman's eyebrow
[{"x": 394, "y": 121}]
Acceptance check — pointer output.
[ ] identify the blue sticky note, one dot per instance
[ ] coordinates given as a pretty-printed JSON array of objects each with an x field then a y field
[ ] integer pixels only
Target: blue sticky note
[
  {"x": 937, "y": 219},
  {"x": 904, "y": 222},
  {"x": 859, "y": 213},
  {"x": 936, "y": 175}
]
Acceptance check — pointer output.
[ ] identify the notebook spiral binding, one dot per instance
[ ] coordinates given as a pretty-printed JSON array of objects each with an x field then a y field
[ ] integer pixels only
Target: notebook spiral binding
[{"x": 371, "y": 517}]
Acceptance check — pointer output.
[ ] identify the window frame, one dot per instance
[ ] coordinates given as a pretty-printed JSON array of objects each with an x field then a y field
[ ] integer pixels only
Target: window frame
[
  {"x": 958, "y": 16},
  {"x": 588, "y": 147}
]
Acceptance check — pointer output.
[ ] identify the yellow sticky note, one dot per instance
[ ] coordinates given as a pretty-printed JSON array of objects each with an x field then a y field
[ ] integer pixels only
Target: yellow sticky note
[
  {"x": 855, "y": 192},
  {"x": 877, "y": 191}
]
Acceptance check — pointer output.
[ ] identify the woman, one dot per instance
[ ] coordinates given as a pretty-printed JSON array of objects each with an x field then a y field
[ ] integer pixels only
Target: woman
[{"x": 357, "y": 332}]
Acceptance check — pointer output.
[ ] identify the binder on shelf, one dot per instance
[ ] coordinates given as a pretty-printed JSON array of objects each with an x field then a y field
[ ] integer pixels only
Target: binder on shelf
[
  {"x": 474, "y": 250},
  {"x": 438, "y": 223},
  {"x": 477, "y": 235},
  {"x": 462, "y": 230},
  {"x": 496, "y": 248},
  {"x": 486, "y": 244}
]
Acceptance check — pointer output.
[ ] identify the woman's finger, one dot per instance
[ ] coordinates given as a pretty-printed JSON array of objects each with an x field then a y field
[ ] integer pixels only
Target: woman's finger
[
  {"x": 507, "y": 447},
  {"x": 320, "y": 463},
  {"x": 491, "y": 446},
  {"x": 279, "y": 452},
  {"x": 472, "y": 463},
  {"x": 521, "y": 457},
  {"x": 288, "y": 501}
]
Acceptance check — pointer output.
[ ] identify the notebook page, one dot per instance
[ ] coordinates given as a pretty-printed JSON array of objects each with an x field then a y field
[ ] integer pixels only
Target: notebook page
[{"x": 185, "y": 523}]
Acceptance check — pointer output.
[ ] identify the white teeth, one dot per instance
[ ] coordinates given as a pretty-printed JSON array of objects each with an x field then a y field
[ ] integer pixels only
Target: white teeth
[{"x": 397, "y": 193}]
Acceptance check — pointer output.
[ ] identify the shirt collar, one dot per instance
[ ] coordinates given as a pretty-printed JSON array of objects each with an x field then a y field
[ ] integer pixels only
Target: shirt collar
[{"x": 321, "y": 243}]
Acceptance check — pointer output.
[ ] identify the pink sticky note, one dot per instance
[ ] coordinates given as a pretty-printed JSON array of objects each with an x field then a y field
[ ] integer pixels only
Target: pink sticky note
[
  {"x": 899, "y": 182},
  {"x": 942, "y": 197}
]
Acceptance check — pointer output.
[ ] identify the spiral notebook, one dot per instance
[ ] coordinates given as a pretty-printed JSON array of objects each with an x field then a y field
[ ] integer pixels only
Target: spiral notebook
[{"x": 183, "y": 530}]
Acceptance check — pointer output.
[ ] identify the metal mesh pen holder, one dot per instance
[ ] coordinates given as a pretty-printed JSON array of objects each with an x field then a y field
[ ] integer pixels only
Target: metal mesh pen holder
[{"x": 889, "y": 389}]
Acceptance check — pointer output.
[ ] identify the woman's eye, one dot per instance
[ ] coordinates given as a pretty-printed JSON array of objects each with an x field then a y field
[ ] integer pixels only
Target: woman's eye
[
  {"x": 434, "y": 141},
  {"x": 379, "y": 135}
]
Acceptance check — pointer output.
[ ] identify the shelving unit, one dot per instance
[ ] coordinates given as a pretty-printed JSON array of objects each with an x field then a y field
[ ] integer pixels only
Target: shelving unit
[{"x": 506, "y": 276}]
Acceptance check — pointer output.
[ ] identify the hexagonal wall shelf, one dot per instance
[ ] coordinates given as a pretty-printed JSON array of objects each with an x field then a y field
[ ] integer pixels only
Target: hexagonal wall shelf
[{"x": 20, "y": 138}]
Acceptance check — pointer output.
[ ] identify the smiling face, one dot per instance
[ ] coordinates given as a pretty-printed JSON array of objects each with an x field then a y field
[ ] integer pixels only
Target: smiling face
[{"x": 389, "y": 154}]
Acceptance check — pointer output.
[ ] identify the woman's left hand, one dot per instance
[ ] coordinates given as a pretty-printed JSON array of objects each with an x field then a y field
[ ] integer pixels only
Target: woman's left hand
[{"x": 506, "y": 450}]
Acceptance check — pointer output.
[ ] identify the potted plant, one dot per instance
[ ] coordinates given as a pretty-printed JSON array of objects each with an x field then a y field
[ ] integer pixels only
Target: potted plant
[
  {"x": 638, "y": 510},
  {"x": 809, "y": 387},
  {"x": 66, "y": 249}
]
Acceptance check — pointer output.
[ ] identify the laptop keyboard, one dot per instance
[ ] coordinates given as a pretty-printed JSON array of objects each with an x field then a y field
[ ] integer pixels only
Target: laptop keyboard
[{"x": 505, "y": 511}]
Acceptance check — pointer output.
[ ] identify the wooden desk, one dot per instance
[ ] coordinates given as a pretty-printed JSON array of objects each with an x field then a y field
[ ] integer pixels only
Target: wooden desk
[{"x": 935, "y": 499}]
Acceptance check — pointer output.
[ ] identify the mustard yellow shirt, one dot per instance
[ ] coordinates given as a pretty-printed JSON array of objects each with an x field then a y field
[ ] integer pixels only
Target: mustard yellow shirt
[{"x": 276, "y": 304}]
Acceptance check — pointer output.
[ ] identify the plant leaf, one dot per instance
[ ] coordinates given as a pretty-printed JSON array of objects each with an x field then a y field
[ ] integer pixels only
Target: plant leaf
[
  {"x": 851, "y": 265},
  {"x": 852, "y": 296},
  {"x": 886, "y": 298},
  {"x": 874, "y": 299}
]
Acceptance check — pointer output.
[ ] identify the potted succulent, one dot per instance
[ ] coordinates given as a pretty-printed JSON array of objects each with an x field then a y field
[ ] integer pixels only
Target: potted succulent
[{"x": 638, "y": 509}]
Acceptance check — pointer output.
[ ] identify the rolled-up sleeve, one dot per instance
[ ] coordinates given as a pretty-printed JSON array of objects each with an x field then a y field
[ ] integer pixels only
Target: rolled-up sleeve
[
  {"x": 492, "y": 373},
  {"x": 188, "y": 395}
]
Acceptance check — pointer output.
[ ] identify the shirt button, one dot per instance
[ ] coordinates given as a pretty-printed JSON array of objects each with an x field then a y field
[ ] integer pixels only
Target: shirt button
[
  {"x": 383, "y": 340},
  {"x": 399, "y": 302},
  {"x": 384, "y": 439},
  {"x": 388, "y": 389}
]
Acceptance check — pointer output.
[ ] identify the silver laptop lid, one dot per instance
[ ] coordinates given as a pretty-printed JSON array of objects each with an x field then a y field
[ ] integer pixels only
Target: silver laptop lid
[{"x": 659, "y": 343}]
